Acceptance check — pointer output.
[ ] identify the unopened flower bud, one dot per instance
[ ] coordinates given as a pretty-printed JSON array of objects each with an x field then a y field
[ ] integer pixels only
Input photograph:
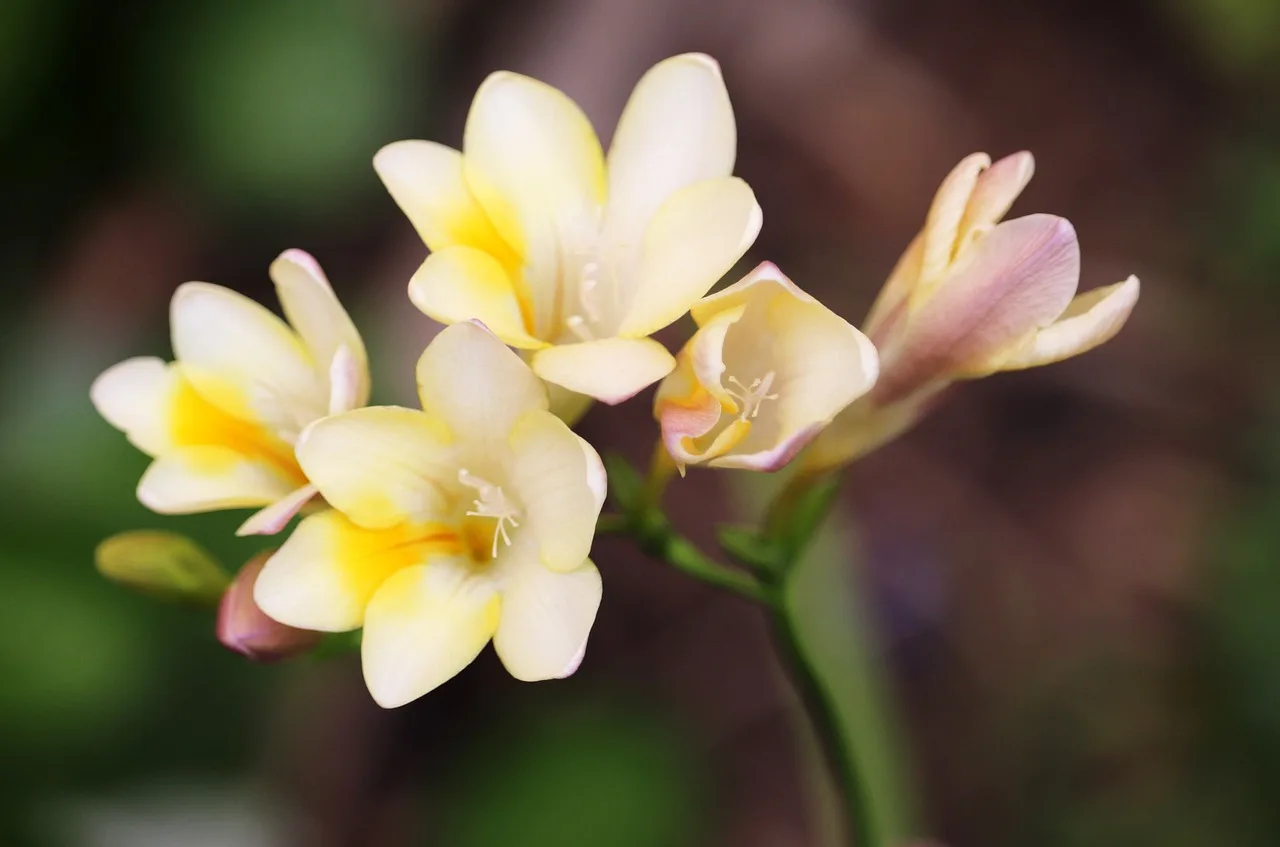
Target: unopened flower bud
[
  {"x": 244, "y": 628},
  {"x": 162, "y": 564}
]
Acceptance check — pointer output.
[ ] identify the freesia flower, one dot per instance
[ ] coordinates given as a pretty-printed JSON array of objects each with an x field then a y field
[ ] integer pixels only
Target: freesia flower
[
  {"x": 767, "y": 370},
  {"x": 468, "y": 521},
  {"x": 972, "y": 296},
  {"x": 569, "y": 256},
  {"x": 220, "y": 421}
]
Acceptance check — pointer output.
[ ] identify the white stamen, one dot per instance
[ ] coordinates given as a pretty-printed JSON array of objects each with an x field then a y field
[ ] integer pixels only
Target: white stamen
[
  {"x": 751, "y": 396},
  {"x": 491, "y": 503}
]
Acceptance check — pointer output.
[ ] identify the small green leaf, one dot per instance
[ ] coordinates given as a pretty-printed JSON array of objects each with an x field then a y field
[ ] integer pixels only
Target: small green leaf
[
  {"x": 626, "y": 486},
  {"x": 162, "y": 564},
  {"x": 745, "y": 544}
]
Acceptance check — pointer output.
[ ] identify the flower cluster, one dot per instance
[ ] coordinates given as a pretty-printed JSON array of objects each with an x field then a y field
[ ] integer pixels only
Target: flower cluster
[{"x": 436, "y": 531}]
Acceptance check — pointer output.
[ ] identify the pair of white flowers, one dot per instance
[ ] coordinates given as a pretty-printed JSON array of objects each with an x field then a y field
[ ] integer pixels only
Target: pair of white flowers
[{"x": 470, "y": 521}]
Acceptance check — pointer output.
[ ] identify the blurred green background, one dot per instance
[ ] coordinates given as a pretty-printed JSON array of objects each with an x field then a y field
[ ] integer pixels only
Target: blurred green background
[{"x": 1071, "y": 576}]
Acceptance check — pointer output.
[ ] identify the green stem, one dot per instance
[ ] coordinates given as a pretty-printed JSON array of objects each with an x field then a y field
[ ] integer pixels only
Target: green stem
[
  {"x": 825, "y": 721},
  {"x": 654, "y": 536}
]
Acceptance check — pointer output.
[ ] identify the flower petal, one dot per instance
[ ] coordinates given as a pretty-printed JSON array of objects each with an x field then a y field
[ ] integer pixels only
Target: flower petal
[
  {"x": 1092, "y": 318},
  {"x": 610, "y": 369},
  {"x": 461, "y": 283},
  {"x": 685, "y": 410},
  {"x": 245, "y": 360},
  {"x": 314, "y": 312},
  {"x": 535, "y": 165},
  {"x": 427, "y": 182},
  {"x": 677, "y": 129},
  {"x": 597, "y": 479},
  {"x": 889, "y": 311},
  {"x": 134, "y": 396},
  {"x": 475, "y": 384},
  {"x": 209, "y": 477},
  {"x": 325, "y": 573},
  {"x": 551, "y": 479},
  {"x": 273, "y": 518},
  {"x": 348, "y": 382},
  {"x": 423, "y": 626},
  {"x": 942, "y": 224},
  {"x": 998, "y": 186},
  {"x": 692, "y": 241},
  {"x": 1017, "y": 279},
  {"x": 380, "y": 465},
  {"x": 546, "y": 618}
]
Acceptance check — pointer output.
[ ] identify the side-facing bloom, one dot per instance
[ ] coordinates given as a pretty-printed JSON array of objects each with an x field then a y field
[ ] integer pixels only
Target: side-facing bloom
[
  {"x": 468, "y": 521},
  {"x": 221, "y": 419},
  {"x": 768, "y": 368},
  {"x": 575, "y": 258},
  {"x": 970, "y": 297}
]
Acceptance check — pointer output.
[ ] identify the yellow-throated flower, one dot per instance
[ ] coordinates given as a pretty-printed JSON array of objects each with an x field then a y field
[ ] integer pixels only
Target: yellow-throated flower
[
  {"x": 467, "y": 521},
  {"x": 570, "y": 257},
  {"x": 221, "y": 419},
  {"x": 767, "y": 370},
  {"x": 972, "y": 296}
]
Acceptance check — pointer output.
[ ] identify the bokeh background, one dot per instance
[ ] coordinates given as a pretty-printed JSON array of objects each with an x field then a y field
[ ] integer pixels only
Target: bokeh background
[{"x": 1067, "y": 579}]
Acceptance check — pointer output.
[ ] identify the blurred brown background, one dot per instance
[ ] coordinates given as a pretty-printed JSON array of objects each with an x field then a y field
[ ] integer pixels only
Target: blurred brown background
[{"x": 1070, "y": 574}]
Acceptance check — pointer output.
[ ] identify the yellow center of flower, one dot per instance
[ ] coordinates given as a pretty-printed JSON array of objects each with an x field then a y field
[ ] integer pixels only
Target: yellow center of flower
[
  {"x": 751, "y": 397},
  {"x": 491, "y": 504}
]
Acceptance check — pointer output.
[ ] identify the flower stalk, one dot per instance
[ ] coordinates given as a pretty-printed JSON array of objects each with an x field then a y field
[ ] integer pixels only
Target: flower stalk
[{"x": 791, "y": 522}]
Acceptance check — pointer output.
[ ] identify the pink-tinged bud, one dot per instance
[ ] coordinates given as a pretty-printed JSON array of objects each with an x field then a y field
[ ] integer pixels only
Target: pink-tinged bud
[
  {"x": 972, "y": 296},
  {"x": 246, "y": 629},
  {"x": 162, "y": 564}
]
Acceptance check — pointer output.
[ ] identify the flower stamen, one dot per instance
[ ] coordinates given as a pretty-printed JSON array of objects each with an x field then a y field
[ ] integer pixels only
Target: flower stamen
[
  {"x": 491, "y": 503},
  {"x": 752, "y": 396}
]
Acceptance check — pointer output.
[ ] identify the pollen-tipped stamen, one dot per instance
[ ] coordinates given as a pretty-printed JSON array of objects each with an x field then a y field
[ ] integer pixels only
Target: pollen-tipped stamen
[{"x": 491, "y": 503}]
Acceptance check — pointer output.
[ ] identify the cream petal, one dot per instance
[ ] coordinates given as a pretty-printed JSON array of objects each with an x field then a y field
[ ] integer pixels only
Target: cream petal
[
  {"x": 348, "y": 382},
  {"x": 271, "y": 519},
  {"x": 245, "y": 360},
  {"x": 328, "y": 569},
  {"x": 546, "y": 618},
  {"x": 685, "y": 410},
  {"x": 428, "y": 183},
  {"x": 677, "y": 129},
  {"x": 597, "y": 479},
  {"x": 551, "y": 478},
  {"x": 474, "y": 383},
  {"x": 314, "y": 312},
  {"x": 459, "y": 284},
  {"x": 1092, "y": 319},
  {"x": 381, "y": 465},
  {"x": 610, "y": 370},
  {"x": 693, "y": 240},
  {"x": 997, "y": 188},
  {"x": 535, "y": 165},
  {"x": 205, "y": 478},
  {"x": 423, "y": 626},
  {"x": 942, "y": 225},
  {"x": 888, "y": 313},
  {"x": 1017, "y": 279},
  {"x": 134, "y": 396}
]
